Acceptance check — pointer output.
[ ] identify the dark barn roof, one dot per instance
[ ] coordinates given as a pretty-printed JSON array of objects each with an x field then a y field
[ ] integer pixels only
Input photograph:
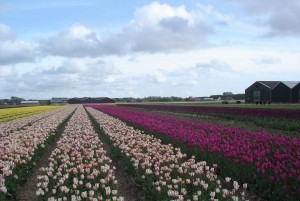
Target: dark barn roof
[
  {"x": 270, "y": 84},
  {"x": 291, "y": 84},
  {"x": 58, "y": 100}
]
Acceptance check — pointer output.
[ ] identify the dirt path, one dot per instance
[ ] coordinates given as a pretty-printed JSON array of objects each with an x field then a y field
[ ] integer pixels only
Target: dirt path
[
  {"x": 127, "y": 187},
  {"x": 27, "y": 192}
]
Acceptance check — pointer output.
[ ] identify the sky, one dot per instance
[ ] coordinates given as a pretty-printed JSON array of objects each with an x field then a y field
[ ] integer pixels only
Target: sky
[{"x": 131, "y": 48}]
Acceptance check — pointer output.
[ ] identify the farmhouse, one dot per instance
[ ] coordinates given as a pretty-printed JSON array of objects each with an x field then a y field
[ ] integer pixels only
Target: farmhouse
[
  {"x": 76, "y": 100},
  {"x": 91, "y": 100},
  {"x": 57, "y": 101},
  {"x": 273, "y": 91}
]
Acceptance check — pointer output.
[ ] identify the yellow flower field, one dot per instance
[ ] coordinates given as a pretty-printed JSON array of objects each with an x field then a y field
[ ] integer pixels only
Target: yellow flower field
[{"x": 10, "y": 114}]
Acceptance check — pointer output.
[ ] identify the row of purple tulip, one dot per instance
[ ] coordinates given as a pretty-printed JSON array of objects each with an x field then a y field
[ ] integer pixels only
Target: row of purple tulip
[
  {"x": 275, "y": 157},
  {"x": 257, "y": 112}
]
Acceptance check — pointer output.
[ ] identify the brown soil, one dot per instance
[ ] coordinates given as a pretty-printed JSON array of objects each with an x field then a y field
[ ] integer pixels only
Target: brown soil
[{"x": 127, "y": 187}]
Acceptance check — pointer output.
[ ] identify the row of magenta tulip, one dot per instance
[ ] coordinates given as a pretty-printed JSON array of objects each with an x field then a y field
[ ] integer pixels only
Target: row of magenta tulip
[
  {"x": 78, "y": 167},
  {"x": 287, "y": 120},
  {"x": 255, "y": 124},
  {"x": 263, "y": 160},
  {"x": 259, "y": 112},
  {"x": 21, "y": 148},
  {"x": 164, "y": 172}
]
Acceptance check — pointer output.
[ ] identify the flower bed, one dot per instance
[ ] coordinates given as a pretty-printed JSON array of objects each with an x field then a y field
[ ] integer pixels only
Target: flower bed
[
  {"x": 17, "y": 124},
  {"x": 10, "y": 114},
  {"x": 282, "y": 119},
  {"x": 78, "y": 168},
  {"x": 164, "y": 172},
  {"x": 271, "y": 164},
  {"x": 21, "y": 148},
  {"x": 261, "y": 112}
]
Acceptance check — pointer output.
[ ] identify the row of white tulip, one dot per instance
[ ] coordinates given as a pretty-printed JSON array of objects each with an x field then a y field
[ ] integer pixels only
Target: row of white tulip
[
  {"x": 18, "y": 148},
  {"x": 78, "y": 168},
  {"x": 166, "y": 169}
]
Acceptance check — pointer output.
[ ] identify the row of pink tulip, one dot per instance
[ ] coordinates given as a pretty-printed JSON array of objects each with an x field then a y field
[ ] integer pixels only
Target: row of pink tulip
[
  {"x": 17, "y": 124},
  {"x": 18, "y": 148},
  {"x": 165, "y": 169},
  {"x": 78, "y": 168}
]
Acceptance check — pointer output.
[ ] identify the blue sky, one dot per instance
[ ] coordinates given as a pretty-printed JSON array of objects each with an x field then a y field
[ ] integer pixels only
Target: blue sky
[{"x": 145, "y": 48}]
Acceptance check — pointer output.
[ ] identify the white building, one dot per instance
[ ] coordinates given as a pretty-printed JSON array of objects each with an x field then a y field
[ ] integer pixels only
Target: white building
[{"x": 30, "y": 102}]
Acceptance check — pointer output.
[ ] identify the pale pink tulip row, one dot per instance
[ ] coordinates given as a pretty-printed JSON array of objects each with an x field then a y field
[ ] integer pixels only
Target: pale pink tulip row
[
  {"x": 10, "y": 127},
  {"x": 78, "y": 168},
  {"x": 172, "y": 171},
  {"x": 18, "y": 147}
]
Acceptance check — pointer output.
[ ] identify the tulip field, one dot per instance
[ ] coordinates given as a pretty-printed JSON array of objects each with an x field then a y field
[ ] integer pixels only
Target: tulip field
[
  {"x": 269, "y": 163},
  {"x": 163, "y": 170},
  {"x": 86, "y": 152}
]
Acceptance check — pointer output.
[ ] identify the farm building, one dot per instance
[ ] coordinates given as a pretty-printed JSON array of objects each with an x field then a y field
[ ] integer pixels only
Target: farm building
[
  {"x": 273, "y": 91},
  {"x": 90, "y": 100},
  {"x": 30, "y": 102},
  {"x": 104, "y": 100},
  {"x": 76, "y": 100},
  {"x": 57, "y": 101}
]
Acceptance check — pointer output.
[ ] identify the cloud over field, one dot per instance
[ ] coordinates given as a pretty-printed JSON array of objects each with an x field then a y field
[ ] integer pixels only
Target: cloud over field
[
  {"x": 13, "y": 50},
  {"x": 282, "y": 17},
  {"x": 155, "y": 28}
]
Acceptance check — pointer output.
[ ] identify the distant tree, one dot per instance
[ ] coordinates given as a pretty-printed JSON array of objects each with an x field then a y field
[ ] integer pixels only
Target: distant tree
[
  {"x": 174, "y": 98},
  {"x": 239, "y": 96},
  {"x": 125, "y": 100},
  {"x": 16, "y": 99},
  {"x": 227, "y": 94},
  {"x": 165, "y": 99},
  {"x": 139, "y": 100}
]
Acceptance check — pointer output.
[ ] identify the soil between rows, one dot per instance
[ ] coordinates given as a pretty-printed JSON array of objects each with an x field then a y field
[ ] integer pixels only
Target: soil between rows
[
  {"x": 127, "y": 187},
  {"x": 27, "y": 192}
]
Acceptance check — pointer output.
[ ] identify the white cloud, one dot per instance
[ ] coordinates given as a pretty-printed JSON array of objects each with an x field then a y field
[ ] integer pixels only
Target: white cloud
[
  {"x": 155, "y": 28},
  {"x": 159, "y": 77},
  {"x": 6, "y": 71},
  {"x": 76, "y": 41},
  {"x": 73, "y": 77},
  {"x": 5, "y": 33},
  {"x": 267, "y": 60},
  {"x": 282, "y": 17},
  {"x": 196, "y": 73},
  {"x": 13, "y": 50}
]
